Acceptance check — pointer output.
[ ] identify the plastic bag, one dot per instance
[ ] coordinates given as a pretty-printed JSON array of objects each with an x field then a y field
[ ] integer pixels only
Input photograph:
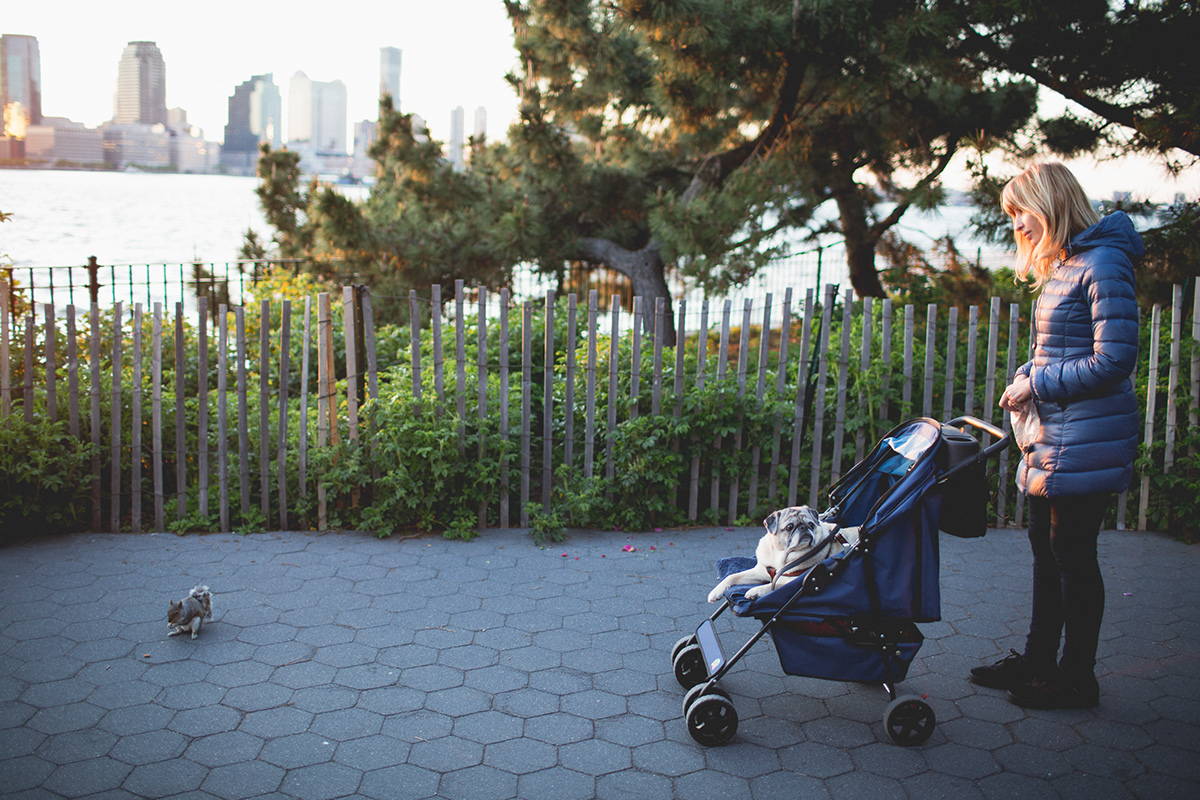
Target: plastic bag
[{"x": 1026, "y": 426}]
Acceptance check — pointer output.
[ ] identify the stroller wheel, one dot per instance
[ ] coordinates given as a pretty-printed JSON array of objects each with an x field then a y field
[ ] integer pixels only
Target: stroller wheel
[
  {"x": 682, "y": 643},
  {"x": 712, "y": 720},
  {"x": 909, "y": 720},
  {"x": 697, "y": 691},
  {"x": 689, "y": 666}
]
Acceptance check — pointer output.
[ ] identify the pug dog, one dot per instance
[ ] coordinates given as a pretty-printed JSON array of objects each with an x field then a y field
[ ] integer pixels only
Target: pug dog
[{"x": 796, "y": 538}]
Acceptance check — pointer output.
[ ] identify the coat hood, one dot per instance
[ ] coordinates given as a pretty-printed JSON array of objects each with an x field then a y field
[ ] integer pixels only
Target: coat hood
[{"x": 1115, "y": 230}]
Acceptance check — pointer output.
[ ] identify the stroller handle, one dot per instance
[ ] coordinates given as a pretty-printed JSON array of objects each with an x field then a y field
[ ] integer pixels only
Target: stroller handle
[{"x": 1003, "y": 440}]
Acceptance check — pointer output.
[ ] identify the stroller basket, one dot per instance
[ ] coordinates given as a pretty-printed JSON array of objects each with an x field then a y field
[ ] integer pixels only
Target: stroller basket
[{"x": 852, "y": 616}]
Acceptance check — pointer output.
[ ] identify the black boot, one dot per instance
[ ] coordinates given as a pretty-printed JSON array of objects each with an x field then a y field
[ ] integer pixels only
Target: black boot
[
  {"x": 1010, "y": 671},
  {"x": 1057, "y": 691}
]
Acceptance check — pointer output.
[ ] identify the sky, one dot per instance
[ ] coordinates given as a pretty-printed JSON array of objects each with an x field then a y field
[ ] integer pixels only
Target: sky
[{"x": 455, "y": 53}]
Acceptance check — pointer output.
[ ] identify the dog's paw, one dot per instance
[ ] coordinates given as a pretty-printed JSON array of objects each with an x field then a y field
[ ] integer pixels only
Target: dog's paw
[
  {"x": 755, "y": 592},
  {"x": 715, "y": 595}
]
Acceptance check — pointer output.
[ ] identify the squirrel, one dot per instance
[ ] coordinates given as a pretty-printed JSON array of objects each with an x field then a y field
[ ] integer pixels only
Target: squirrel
[{"x": 188, "y": 613}]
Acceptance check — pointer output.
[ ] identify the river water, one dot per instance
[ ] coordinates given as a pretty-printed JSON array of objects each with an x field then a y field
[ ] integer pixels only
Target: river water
[{"x": 159, "y": 223}]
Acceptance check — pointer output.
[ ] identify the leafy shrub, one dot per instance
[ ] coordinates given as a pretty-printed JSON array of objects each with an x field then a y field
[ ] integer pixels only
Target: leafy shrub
[{"x": 42, "y": 477}]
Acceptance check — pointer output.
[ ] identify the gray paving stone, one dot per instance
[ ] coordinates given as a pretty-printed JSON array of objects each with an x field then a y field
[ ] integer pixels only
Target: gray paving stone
[{"x": 340, "y": 665}]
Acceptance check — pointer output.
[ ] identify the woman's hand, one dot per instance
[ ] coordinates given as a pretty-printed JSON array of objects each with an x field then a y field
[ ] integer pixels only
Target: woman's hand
[{"x": 1017, "y": 394}]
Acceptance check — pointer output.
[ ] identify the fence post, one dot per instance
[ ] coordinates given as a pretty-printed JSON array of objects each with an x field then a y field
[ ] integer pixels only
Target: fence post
[
  {"x": 481, "y": 383},
  {"x": 504, "y": 367},
  {"x": 1151, "y": 403},
  {"x": 5, "y": 367},
  {"x": 115, "y": 428},
  {"x": 1173, "y": 376},
  {"x": 94, "y": 421},
  {"x": 51, "y": 365},
  {"x": 93, "y": 280},
  {"x": 814, "y": 485},
  {"x": 156, "y": 418},
  {"x": 526, "y": 392},
  {"x": 548, "y": 405},
  {"x": 135, "y": 439}
]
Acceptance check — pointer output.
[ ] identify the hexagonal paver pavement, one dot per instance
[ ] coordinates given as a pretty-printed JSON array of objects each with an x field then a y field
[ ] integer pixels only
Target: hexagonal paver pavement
[{"x": 341, "y": 665}]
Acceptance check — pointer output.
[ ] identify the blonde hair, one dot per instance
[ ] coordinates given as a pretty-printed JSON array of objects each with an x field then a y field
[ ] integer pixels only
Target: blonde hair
[{"x": 1051, "y": 193}]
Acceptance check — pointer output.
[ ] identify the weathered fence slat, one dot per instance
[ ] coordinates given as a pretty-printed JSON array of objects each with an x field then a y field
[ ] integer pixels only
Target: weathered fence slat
[
  {"x": 951, "y": 351},
  {"x": 569, "y": 390},
  {"x": 324, "y": 421},
  {"x": 1151, "y": 407},
  {"x": 657, "y": 385},
  {"x": 613, "y": 366},
  {"x": 239, "y": 321},
  {"x": 414, "y": 333},
  {"x": 504, "y": 396},
  {"x": 94, "y": 418},
  {"x": 799, "y": 415},
  {"x": 701, "y": 366},
  {"x": 51, "y": 365},
  {"x": 481, "y": 381},
  {"x": 156, "y": 412},
  {"x": 1194, "y": 411},
  {"x": 202, "y": 410},
  {"x": 27, "y": 393},
  {"x": 906, "y": 389},
  {"x": 72, "y": 372},
  {"x": 181, "y": 503},
  {"x": 589, "y": 423},
  {"x": 1014, "y": 327},
  {"x": 885, "y": 357},
  {"x": 115, "y": 424},
  {"x": 972, "y": 345},
  {"x": 223, "y": 416},
  {"x": 460, "y": 361},
  {"x": 764, "y": 348},
  {"x": 989, "y": 384},
  {"x": 1173, "y": 378},
  {"x": 435, "y": 328},
  {"x": 548, "y": 404},
  {"x": 526, "y": 392},
  {"x": 135, "y": 432},
  {"x": 785, "y": 332},
  {"x": 635, "y": 363},
  {"x": 264, "y": 409},
  {"x": 743, "y": 361},
  {"x": 814, "y": 483},
  {"x": 930, "y": 351},
  {"x": 305, "y": 365},
  {"x": 722, "y": 369},
  {"x": 864, "y": 364},
  {"x": 843, "y": 383},
  {"x": 5, "y": 366},
  {"x": 285, "y": 353}
]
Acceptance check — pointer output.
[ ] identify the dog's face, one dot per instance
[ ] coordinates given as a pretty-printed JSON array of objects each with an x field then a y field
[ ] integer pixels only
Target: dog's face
[{"x": 794, "y": 528}]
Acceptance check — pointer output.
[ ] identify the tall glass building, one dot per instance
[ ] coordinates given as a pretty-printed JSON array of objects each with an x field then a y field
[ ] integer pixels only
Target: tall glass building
[
  {"x": 141, "y": 94},
  {"x": 20, "y": 84},
  {"x": 255, "y": 115}
]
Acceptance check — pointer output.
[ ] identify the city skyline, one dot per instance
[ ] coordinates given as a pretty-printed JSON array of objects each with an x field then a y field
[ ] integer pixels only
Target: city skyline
[{"x": 455, "y": 54}]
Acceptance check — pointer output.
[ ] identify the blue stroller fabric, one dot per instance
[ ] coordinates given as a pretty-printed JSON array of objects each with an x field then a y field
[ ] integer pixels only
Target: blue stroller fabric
[{"x": 880, "y": 588}]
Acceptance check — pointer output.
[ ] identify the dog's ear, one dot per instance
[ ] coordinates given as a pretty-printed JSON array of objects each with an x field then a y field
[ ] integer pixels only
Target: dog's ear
[
  {"x": 771, "y": 523},
  {"x": 814, "y": 519}
]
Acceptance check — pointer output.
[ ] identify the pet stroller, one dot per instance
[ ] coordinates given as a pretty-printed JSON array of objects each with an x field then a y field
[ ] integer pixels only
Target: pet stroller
[{"x": 852, "y": 617}]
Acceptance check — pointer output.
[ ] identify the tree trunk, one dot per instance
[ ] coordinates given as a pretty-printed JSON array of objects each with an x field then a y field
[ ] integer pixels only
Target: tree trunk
[{"x": 646, "y": 270}]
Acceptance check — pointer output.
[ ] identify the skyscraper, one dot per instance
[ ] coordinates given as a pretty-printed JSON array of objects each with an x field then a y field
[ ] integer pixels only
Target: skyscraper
[
  {"x": 389, "y": 74},
  {"x": 141, "y": 94},
  {"x": 255, "y": 115},
  {"x": 455, "y": 145},
  {"x": 20, "y": 84},
  {"x": 317, "y": 113}
]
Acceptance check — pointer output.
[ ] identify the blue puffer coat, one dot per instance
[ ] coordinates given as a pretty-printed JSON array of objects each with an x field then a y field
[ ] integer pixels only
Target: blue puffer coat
[{"x": 1083, "y": 361}]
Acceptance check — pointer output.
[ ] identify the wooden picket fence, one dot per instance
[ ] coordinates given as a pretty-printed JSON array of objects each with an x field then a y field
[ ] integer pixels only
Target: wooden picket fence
[{"x": 925, "y": 389}]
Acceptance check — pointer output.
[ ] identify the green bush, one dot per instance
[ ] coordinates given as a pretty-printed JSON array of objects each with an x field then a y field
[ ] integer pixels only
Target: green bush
[{"x": 43, "y": 473}]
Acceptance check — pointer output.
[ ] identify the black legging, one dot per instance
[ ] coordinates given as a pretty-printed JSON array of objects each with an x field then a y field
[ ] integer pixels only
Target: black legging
[{"x": 1068, "y": 590}]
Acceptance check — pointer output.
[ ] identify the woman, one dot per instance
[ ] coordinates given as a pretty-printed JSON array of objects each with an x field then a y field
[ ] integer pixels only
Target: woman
[{"x": 1080, "y": 384}]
